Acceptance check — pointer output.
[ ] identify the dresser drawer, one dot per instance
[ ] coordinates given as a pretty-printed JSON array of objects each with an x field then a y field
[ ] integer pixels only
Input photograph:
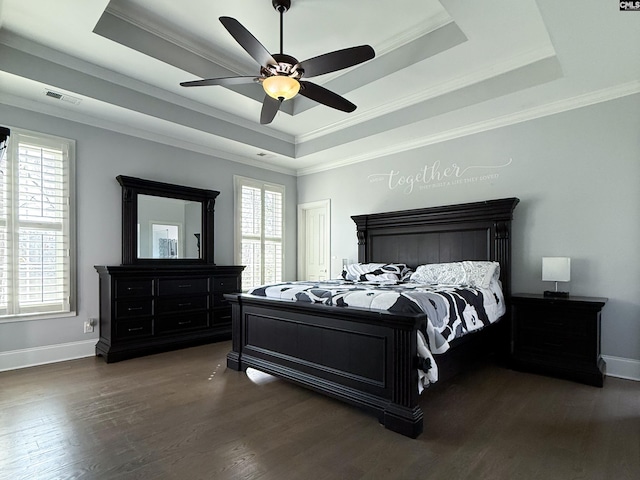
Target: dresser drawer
[
  {"x": 182, "y": 286},
  {"x": 134, "y": 287},
  {"x": 171, "y": 323},
  {"x": 134, "y": 328},
  {"x": 182, "y": 304},
  {"x": 226, "y": 284},
  {"x": 220, "y": 301},
  {"x": 133, "y": 308},
  {"x": 222, "y": 316}
]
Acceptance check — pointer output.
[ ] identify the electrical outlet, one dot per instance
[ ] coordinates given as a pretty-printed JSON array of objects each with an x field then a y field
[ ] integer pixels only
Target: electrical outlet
[{"x": 88, "y": 325}]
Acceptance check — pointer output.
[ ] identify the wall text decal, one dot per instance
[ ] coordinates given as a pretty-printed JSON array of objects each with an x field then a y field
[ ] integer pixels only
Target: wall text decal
[{"x": 434, "y": 176}]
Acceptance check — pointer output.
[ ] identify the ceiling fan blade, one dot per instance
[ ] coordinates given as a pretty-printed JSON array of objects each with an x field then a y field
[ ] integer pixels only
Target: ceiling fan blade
[
  {"x": 270, "y": 107},
  {"x": 248, "y": 41},
  {"x": 334, "y": 61},
  {"x": 219, "y": 81},
  {"x": 326, "y": 97}
]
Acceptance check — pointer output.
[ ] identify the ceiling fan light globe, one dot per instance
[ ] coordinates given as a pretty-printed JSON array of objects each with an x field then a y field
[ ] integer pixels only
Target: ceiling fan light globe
[{"x": 281, "y": 87}]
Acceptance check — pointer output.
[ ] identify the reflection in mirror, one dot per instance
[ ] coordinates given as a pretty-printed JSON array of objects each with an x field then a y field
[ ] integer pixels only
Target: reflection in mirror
[
  {"x": 166, "y": 224},
  {"x": 168, "y": 228}
]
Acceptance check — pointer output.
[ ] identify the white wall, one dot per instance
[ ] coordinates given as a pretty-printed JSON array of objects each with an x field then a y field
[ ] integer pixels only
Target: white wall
[
  {"x": 101, "y": 155},
  {"x": 577, "y": 175}
]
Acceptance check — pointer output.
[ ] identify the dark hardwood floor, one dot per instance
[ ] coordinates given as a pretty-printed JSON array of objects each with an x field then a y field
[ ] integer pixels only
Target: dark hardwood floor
[{"x": 183, "y": 415}]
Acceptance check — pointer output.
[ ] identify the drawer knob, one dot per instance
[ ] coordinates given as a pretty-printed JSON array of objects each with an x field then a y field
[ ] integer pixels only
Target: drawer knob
[
  {"x": 133, "y": 309},
  {"x": 185, "y": 322},
  {"x": 136, "y": 329},
  {"x": 184, "y": 286},
  {"x": 184, "y": 304}
]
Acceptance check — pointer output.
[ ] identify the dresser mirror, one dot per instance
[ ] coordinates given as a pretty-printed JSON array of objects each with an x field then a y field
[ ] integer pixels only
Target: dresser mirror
[{"x": 164, "y": 223}]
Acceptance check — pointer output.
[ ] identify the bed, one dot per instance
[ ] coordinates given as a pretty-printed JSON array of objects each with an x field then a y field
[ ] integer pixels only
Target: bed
[{"x": 369, "y": 358}]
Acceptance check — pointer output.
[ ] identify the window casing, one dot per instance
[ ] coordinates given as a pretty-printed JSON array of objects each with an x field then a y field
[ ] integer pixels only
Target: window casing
[
  {"x": 259, "y": 227},
  {"x": 37, "y": 226}
]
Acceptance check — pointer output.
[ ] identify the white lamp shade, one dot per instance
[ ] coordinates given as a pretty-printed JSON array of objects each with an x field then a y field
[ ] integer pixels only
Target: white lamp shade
[{"x": 556, "y": 269}]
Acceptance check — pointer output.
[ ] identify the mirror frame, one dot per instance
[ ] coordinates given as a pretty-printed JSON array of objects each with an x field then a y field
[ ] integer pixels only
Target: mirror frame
[{"x": 132, "y": 187}]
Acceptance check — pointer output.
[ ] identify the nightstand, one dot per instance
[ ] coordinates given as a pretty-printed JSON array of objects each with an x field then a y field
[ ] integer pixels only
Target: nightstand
[{"x": 558, "y": 336}]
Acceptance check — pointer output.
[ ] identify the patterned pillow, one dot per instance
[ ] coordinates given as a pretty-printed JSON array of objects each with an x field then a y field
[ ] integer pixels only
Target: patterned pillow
[
  {"x": 481, "y": 274},
  {"x": 375, "y": 272},
  {"x": 452, "y": 273},
  {"x": 468, "y": 273}
]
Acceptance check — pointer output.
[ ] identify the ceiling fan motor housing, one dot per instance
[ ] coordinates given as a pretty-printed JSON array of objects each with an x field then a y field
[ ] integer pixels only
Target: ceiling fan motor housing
[{"x": 286, "y": 66}]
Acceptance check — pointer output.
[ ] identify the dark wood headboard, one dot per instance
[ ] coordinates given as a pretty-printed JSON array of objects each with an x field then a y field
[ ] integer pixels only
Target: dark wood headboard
[{"x": 469, "y": 231}]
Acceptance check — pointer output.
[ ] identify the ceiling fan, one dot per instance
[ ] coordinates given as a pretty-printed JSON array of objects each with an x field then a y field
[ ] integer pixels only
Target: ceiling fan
[{"x": 281, "y": 74}]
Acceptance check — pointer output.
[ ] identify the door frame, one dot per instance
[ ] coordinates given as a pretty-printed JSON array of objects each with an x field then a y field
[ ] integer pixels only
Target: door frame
[{"x": 302, "y": 228}]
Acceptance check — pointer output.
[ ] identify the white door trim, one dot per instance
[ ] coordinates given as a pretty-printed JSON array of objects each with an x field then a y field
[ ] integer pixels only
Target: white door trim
[{"x": 302, "y": 228}]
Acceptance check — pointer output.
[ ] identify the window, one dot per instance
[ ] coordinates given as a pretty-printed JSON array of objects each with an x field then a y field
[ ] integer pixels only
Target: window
[
  {"x": 259, "y": 231},
  {"x": 37, "y": 226}
]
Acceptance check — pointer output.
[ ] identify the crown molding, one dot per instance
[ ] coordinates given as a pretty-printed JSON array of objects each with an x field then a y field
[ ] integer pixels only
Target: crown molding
[
  {"x": 480, "y": 75},
  {"x": 552, "y": 108},
  {"x": 409, "y": 35},
  {"x": 132, "y": 131},
  {"x": 40, "y": 51}
]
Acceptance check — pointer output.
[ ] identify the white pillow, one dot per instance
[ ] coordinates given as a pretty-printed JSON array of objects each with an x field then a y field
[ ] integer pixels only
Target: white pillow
[
  {"x": 452, "y": 273},
  {"x": 481, "y": 274},
  {"x": 477, "y": 274}
]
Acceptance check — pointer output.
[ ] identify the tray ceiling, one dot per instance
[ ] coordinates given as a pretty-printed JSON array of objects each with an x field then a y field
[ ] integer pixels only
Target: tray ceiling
[{"x": 442, "y": 69}]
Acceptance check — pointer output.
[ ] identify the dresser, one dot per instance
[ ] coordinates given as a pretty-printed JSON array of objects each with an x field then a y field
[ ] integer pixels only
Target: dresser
[
  {"x": 558, "y": 336},
  {"x": 147, "y": 309}
]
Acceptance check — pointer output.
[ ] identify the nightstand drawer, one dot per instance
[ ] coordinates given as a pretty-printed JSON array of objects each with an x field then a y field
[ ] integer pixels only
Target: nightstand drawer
[
  {"x": 548, "y": 320},
  {"x": 554, "y": 345}
]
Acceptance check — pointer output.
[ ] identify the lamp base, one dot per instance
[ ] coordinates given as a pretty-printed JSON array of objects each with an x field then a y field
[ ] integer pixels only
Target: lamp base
[{"x": 555, "y": 294}]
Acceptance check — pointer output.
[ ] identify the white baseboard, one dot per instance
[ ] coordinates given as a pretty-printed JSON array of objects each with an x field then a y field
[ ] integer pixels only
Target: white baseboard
[
  {"x": 30, "y": 357},
  {"x": 626, "y": 368}
]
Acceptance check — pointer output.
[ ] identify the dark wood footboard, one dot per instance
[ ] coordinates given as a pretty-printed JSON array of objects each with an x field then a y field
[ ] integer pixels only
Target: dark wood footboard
[
  {"x": 365, "y": 358},
  {"x": 369, "y": 358}
]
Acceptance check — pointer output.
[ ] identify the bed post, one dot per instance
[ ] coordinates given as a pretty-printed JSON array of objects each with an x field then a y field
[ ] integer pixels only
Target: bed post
[
  {"x": 502, "y": 244},
  {"x": 234, "y": 357},
  {"x": 403, "y": 415},
  {"x": 361, "y": 232}
]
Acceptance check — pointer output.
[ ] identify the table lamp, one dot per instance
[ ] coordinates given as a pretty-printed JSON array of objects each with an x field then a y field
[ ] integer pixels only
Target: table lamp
[{"x": 556, "y": 269}]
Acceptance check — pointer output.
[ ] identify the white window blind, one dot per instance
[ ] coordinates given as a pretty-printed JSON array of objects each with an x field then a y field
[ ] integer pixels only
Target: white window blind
[
  {"x": 259, "y": 231},
  {"x": 37, "y": 274}
]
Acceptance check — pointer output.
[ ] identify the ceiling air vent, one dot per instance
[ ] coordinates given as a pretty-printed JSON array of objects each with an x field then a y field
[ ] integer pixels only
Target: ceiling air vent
[{"x": 62, "y": 96}]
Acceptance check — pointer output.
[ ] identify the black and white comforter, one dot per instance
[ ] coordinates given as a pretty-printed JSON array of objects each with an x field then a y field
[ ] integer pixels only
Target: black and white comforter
[{"x": 451, "y": 311}]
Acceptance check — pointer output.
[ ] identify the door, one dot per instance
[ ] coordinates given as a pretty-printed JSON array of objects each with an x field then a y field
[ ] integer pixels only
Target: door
[{"x": 314, "y": 241}]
